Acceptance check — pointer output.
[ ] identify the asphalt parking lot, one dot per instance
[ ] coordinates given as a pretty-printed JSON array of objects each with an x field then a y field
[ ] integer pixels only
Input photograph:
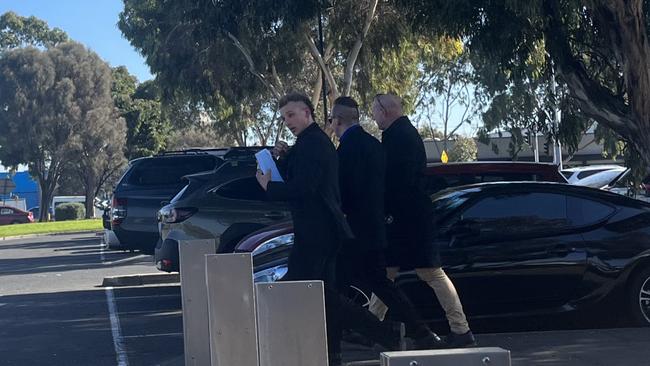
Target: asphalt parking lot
[{"x": 53, "y": 311}]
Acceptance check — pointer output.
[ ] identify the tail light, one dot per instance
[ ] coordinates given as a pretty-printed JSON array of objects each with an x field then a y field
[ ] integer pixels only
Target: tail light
[
  {"x": 176, "y": 215},
  {"x": 118, "y": 213}
]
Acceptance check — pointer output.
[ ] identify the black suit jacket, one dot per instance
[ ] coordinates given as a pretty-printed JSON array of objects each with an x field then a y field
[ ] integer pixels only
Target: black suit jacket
[
  {"x": 310, "y": 173},
  {"x": 406, "y": 199},
  {"x": 361, "y": 176}
]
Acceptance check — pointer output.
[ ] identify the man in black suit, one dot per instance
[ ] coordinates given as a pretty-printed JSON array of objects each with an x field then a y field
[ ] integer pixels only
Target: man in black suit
[
  {"x": 410, "y": 215},
  {"x": 310, "y": 172},
  {"x": 361, "y": 177}
]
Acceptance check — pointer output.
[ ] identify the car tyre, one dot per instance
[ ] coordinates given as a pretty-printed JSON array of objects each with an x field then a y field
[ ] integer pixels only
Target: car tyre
[{"x": 639, "y": 298}]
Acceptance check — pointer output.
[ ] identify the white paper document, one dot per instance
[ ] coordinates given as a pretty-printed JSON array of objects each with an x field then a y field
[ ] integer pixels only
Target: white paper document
[{"x": 265, "y": 163}]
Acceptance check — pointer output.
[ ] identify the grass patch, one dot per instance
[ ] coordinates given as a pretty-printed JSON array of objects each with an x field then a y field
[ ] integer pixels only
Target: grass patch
[{"x": 51, "y": 227}]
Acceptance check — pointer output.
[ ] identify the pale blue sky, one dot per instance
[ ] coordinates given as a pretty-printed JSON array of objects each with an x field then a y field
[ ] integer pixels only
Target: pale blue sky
[{"x": 91, "y": 22}]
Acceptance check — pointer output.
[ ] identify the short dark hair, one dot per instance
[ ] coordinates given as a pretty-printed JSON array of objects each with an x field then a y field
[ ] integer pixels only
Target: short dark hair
[
  {"x": 297, "y": 97},
  {"x": 346, "y": 102}
]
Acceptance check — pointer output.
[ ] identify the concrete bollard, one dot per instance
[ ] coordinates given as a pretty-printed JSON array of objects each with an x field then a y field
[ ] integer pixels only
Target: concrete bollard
[
  {"x": 291, "y": 323},
  {"x": 231, "y": 309},
  {"x": 196, "y": 334}
]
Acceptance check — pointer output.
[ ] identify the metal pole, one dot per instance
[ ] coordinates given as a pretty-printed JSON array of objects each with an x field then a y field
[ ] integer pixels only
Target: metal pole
[
  {"x": 557, "y": 147},
  {"x": 322, "y": 54},
  {"x": 536, "y": 148}
]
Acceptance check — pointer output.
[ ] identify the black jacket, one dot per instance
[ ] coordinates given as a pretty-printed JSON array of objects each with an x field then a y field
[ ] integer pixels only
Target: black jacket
[
  {"x": 406, "y": 200},
  {"x": 361, "y": 177},
  {"x": 310, "y": 173}
]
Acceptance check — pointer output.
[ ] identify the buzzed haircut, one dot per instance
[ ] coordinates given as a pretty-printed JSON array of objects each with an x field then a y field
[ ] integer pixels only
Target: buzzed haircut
[
  {"x": 347, "y": 110},
  {"x": 346, "y": 102},
  {"x": 297, "y": 97}
]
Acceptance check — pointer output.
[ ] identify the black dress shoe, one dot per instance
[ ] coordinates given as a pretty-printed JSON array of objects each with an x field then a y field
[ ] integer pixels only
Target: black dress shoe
[
  {"x": 393, "y": 339},
  {"x": 430, "y": 341},
  {"x": 454, "y": 340}
]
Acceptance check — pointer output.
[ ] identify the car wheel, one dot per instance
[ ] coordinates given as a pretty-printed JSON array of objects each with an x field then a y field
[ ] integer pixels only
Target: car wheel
[{"x": 639, "y": 298}]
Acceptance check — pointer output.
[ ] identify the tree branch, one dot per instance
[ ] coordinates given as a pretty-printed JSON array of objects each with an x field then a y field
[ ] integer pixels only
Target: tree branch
[
  {"x": 354, "y": 52},
  {"x": 251, "y": 66},
  {"x": 321, "y": 63}
]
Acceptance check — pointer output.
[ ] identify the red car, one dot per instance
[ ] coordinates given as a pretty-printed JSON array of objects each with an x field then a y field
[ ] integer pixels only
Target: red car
[
  {"x": 11, "y": 215},
  {"x": 442, "y": 176}
]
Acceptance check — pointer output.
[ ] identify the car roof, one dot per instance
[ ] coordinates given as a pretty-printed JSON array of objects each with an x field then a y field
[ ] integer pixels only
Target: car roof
[
  {"x": 561, "y": 187},
  {"x": 225, "y": 153}
]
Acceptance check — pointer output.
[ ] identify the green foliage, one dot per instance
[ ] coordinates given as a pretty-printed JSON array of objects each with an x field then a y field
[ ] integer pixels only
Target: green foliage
[
  {"x": 52, "y": 101},
  {"x": 147, "y": 125},
  {"x": 69, "y": 211},
  {"x": 593, "y": 47},
  {"x": 17, "y": 31},
  {"x": 233, "y": 59},
  {"x": 464, "y": 149}
]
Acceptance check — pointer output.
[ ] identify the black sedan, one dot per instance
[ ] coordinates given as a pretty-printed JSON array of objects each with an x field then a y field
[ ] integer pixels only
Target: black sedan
[{"x": 521, "y": 248}]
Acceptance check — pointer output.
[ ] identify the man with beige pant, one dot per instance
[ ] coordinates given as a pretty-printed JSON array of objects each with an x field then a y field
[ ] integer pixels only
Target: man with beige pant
[{"x": 409, "y": 216}]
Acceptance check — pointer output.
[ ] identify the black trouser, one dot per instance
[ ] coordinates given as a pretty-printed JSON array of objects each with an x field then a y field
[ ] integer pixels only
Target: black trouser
[
  {"x": 367, "y": 270},
  {"x": 340, "y": 312}
]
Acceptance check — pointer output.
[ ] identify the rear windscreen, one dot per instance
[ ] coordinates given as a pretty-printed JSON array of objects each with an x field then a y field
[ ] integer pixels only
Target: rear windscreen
[{"x": 169, "y": 170}]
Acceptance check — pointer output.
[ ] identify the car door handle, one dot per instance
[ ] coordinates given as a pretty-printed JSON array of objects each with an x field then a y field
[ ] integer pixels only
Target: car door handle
[{"x": 275, "y": 215}]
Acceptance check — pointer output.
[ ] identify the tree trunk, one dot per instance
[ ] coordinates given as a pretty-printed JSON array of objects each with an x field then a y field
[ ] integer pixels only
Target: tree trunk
[
  {"x": 47, "y": 189},
  {"x": 89, "y": 190},
  {"x": 633, "y": 49}
]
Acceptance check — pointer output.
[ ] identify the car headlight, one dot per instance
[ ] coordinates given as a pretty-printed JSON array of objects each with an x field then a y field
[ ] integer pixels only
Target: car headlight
[
  {"x": 271, "y": 274},
  {"x": 277, "y": 242}
]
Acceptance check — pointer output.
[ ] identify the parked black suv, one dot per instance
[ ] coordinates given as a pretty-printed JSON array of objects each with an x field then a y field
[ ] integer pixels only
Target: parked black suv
[{"x": 150, "y": 183}]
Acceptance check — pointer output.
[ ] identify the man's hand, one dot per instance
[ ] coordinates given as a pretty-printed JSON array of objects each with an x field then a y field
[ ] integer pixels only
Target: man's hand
[
  {"x": 280, "y": 149},
  {"x": 263, "y": 178}
]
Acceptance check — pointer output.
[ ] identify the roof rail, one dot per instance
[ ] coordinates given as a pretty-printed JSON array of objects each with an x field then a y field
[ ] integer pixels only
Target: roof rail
[
  {"x": 243, "y": 151},
  {"x": 191, "y": 151}
]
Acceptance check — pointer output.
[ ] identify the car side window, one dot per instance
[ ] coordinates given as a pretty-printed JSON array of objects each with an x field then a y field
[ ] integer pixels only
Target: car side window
[
  {"x": 519, "y": 213},
  {"x": 583, "y": 211},
  {"x": 6, "y": 211},
  {"x": 164, "y": 171},
  {"x": 242, "y": 189}
]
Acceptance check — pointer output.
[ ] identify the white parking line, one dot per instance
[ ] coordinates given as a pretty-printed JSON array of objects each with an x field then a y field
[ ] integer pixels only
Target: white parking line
[{"x": 118, "y": 340}]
